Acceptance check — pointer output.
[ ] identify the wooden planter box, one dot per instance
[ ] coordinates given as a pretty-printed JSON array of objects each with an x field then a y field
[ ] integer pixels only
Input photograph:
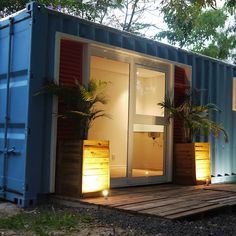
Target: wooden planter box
[
  {"x": 192, "y": 163},
  {"x": 82, "y": 168}
]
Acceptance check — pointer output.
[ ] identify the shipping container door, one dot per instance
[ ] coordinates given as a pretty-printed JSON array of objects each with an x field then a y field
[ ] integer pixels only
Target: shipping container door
[{"x": 13, "y": 109}]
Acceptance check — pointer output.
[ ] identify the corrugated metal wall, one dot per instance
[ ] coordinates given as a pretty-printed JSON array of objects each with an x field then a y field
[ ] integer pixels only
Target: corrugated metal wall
[{"x": 212, "y": 75}]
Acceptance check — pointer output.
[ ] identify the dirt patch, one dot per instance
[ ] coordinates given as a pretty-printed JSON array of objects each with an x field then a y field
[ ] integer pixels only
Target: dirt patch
[{"x": 8, "y": 209}]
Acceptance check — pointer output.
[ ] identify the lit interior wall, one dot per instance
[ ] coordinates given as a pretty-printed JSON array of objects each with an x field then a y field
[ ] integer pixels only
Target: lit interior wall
[
  {"x": 150, "y": 90},
  {"x": 115, "y": 129},
  {"x": 147, "y": 153}
]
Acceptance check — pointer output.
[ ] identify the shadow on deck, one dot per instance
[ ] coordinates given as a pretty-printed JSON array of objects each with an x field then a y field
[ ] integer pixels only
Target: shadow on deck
[{"x": 167, "y": 201}]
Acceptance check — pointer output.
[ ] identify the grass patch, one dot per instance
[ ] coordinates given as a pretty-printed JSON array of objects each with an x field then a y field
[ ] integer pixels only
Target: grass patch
[{"x": 45, "y": 223}]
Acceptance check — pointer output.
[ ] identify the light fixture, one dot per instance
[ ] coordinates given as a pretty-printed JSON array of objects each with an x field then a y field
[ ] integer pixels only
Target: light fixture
[
  {"x": 154, "y": 135},
  {"x": 105, "y": 193}
]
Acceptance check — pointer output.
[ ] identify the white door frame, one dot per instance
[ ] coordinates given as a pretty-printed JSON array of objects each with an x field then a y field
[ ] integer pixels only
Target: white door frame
[{"x": 167, "y": 68}]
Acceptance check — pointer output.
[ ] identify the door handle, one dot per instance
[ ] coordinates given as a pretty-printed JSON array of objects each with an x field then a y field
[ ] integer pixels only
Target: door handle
[{"x": 9, "y": 151}]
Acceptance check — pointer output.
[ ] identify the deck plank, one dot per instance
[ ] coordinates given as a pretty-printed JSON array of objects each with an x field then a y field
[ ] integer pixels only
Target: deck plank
[
  {"x": 185, "y": 210},
  {"x": 193, "y": 212},
  {"x": 150, "y": 205},
  {"x": 175, "y": 206},
  {"x": 169, "y": 201}
]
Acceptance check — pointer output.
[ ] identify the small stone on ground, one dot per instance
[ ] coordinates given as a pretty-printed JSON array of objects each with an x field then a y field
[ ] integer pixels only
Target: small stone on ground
[{"x": 8, "y": 209}]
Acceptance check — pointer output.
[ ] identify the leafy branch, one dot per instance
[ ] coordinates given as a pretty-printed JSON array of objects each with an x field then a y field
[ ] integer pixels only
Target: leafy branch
[
  {"x": 79, "y": 103},
  {"x": 195, "y": 118}
]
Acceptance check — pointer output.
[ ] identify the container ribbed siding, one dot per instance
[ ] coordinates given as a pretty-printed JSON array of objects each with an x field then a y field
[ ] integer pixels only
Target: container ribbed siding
[{"x": 32, "y": 62}]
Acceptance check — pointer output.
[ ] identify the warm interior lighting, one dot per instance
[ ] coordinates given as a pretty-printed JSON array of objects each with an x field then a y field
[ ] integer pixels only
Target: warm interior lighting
[
  {"x": 105, "y": 193},
  {"x": 201, "y": 174},
  {"x": 203, "y": 170},
  {"x": 202, "y": 162},
  {"x": 95, "y": 173},
  {"x": 94, "y": 184},
  {"x": 116, "y": 73}
]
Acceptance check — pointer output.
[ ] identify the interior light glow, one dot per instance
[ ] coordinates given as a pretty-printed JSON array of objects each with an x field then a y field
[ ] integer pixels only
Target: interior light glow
[
  {"x": 94, "y": 183},
  {"x": 105, "y": 193},
  {"x": 95, "y": 171},
  {"x": 203, "y": 170}
]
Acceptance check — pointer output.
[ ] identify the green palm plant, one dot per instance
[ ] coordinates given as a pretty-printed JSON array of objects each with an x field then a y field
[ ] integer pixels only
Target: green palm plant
[
  {"x": 195, "y": 118},
  {"x": 79, "y": 103}
]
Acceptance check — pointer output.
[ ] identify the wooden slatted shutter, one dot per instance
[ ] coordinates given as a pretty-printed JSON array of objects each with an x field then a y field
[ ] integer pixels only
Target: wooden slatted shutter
[
  {"x": 71, "y": 73},
  {"x": 180, "y": 85}
]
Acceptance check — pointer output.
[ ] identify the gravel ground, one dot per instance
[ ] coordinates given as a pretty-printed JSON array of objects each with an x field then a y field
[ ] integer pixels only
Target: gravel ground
[
  {"x": 116, "y": 223},
  {"x": 216, "y": 224}
]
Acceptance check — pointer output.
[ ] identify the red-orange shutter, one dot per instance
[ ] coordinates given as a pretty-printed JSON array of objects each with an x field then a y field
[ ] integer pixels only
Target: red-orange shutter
[
  {"x": 71, "y": 73},
  {"x": 180, "y": 85}
]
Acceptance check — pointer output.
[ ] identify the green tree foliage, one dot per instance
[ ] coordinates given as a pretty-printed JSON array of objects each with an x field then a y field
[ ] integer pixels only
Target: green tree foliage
[
  {"x": 201, "y": 27},
  {"x": 122, "y": 14},
  {"x": 195, "y": 117},
  {"x": 94, "y": 10},
  {"x": 130, "y": 16},
  {"x": 198, "y": 25},
  {"x": 80, "y": 103},
  {"x": 10, "y": 6}
]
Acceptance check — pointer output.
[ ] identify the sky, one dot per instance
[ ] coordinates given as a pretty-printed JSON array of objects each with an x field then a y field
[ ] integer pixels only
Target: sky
[
  {"x": 152, "y": 16},
  {"x": 155, "y": 17}
]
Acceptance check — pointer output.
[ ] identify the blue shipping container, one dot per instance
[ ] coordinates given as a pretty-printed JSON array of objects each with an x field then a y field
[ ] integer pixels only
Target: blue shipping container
[{"x": 27, "y": 60}]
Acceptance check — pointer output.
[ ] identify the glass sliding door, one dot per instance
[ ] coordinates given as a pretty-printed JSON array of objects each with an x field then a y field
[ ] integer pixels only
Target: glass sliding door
[
  {"x": 150, "y": 89},
  {"x": 115, "y": 128},
  {"x": 148, "y": 136},
  {"x": 148, "y": 151},
  {"x": 137, "y": 129}
]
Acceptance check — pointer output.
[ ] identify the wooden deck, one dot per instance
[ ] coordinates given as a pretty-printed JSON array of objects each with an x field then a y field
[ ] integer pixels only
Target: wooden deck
[{"x": 169, "y": 201}]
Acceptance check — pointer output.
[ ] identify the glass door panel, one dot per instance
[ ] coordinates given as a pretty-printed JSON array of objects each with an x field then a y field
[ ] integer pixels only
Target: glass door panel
[
  {"x": 114, "y": 129},
  {"x": 137, "y": 130},
  {"x": 150, "y": 89},
  {"x": 148, "y": 153},
  {"x": 148, "y": 149}
]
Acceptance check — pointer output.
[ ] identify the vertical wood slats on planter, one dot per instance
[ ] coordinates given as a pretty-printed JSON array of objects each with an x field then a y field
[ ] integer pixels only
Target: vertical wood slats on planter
[
  {"x": 68, "y": 168},
  {"x": 192, "y": 163},
  {"x": 71, "y": 73},
  {"x": 96, "y": 174},
  {"x": 191, "y": 160},
  {"x": 90, "y": 156}
]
